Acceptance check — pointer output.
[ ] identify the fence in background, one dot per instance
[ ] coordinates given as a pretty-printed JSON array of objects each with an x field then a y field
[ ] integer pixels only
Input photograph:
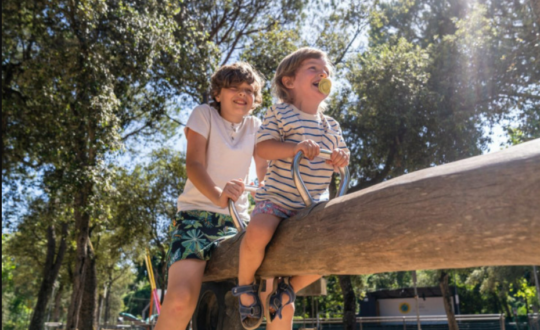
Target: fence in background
[{"x": 435, "y": 322}]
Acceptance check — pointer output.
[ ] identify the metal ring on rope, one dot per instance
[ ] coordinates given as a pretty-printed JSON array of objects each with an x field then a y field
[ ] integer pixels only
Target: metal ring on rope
[{"x": 304, "y": 193}]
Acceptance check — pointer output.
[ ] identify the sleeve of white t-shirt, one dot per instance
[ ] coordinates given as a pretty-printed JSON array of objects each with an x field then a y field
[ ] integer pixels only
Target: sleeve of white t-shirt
[
  {"x": 199, "y": 120},
  {"x": 272, "y": 127}
]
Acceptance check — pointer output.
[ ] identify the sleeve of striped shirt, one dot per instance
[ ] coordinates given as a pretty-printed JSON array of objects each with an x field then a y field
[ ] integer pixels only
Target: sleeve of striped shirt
[
  {"x": 340, "y": 142},
  {"x": 272, "y": 127}
]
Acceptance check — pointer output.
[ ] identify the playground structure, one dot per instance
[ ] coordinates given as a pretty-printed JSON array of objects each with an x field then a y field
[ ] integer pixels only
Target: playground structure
[{"x": 481, "y": 211}]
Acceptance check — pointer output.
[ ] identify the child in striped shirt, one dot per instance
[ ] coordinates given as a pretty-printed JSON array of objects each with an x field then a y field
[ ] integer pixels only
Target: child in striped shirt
[{"x": 296, "y": 124}]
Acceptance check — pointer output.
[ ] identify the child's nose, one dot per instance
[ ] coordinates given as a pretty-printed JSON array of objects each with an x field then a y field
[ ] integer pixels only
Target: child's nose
[{"x": 324, "y": 75}]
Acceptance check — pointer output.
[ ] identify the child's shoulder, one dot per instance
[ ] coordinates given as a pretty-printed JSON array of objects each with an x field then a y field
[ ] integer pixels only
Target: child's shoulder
[
  {"x": 253, "y": 121},
  {"x": 204, "y": 108},
  {"x": 281, "y": 109},
  {"x": 203, "y": 112},
  {"x": 334, "y": 124}
]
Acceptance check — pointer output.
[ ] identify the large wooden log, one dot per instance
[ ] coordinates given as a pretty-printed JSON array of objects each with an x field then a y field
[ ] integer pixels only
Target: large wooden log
[{"x": 480, "y": 211}]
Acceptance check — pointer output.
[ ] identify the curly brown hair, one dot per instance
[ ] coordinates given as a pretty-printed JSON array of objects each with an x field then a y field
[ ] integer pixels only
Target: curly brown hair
[{"x": 234, "y": 75}]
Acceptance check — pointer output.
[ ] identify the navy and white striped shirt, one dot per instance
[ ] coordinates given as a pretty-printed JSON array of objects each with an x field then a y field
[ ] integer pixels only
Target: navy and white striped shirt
[{"x": 284, "y": 122}]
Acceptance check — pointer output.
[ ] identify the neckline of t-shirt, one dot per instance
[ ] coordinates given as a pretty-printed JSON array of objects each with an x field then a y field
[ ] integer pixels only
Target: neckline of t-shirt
[
  {"x": 317, "y": 116},
  {"x": 233, "y": 124},
  {"x": 230, "y": 123}
]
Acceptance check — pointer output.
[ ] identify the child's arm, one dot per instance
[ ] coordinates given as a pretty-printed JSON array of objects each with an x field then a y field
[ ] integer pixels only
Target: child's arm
[
  {"x": 273, "y": 149},
  {"x": 261, "y": 165},
  {"x": 270, "y": 145},
  {"x": 340, "y": 155},
  {"x": 196, "y": 171}
]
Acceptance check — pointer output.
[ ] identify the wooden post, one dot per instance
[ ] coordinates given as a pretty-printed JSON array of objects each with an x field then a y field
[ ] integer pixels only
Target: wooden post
[{"x": 481, "y": 211}]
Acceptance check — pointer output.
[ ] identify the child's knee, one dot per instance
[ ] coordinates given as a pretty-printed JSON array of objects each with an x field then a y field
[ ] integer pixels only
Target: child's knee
[
  {"x": 258, "y": 236},
  {"x": 181, "y": 300}
]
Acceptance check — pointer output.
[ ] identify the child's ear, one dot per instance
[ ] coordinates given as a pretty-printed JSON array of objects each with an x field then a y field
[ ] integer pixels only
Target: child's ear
[{"x": 288, "y": 82}]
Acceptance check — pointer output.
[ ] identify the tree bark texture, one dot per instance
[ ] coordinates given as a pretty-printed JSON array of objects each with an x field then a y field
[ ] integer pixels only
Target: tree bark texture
[
  {"x": 88, "y": 310},
  {"x": 349, "y": 302},
  {"x": 58, "y": 303},
  {"x": 82, "y": 226},
  {"x": 51, "y": 269},
  {"x": 481, "y": 211},
  {"x": 107, "y": 303},
  {"x": 447, "y": 299}
]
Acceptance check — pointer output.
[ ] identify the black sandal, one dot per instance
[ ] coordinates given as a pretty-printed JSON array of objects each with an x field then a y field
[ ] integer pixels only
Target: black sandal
[
  {"x": 274, "y": 299},
  {"x": 250, "y": 316}
]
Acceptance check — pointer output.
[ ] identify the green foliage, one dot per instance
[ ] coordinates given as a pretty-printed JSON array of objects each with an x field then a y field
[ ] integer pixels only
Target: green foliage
[
  {"x": 17, "y": 300},
  {"x": 266, "y": 59},
  {"x": 329, "y": 306},
  {"x": 477, "y": 67},
  {"x": 507, "y": 287},
  {"x": 391, "y": 120},
  {"x": 79, "y": 79},
  {"x": 137, "y": 299}
]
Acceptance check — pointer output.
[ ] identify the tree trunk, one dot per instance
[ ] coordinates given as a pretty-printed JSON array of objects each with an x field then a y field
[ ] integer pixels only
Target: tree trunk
[
  {"x": 485, "y": 209},
  {"x": 107, "y": 303},
  {"x": 50, "y": 273},
  {"x": 447, "y": 299},
  {"x": 88, "y": 311},
  {"x": 164, "y": 276},
  {"x": 349, "y": 302},
  {"x": 82, "y": 227},
  {"x": 507, "y": 309},
  {"x": 58, "y": 303},
  {"x": 535, "y": 6},
  {"x": 497, "y": 302}
]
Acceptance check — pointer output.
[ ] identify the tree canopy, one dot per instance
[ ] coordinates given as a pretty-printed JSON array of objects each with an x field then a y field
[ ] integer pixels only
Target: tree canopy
[{"x": 92, "y": 91}]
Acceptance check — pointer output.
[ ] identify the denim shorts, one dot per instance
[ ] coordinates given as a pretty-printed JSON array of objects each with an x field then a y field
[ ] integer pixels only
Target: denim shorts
[
  {"x": 194, "y": 234},
  {"x": 267, "y": 207}
]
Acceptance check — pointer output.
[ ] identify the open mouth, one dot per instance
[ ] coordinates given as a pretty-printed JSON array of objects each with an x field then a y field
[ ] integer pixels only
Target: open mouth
[{"x": 240, "y": 102}]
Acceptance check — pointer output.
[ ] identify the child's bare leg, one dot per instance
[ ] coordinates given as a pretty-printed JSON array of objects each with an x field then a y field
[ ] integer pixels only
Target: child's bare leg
[
  {"x": 259, "y": 232},
  {"x": 184, "y": 286},
  {"x": 286, "y": 322},
  {"x": 298, "y": 283}
]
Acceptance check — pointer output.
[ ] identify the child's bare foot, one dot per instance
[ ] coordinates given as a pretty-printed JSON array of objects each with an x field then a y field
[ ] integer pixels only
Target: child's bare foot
[{"x": 247, "y": 299}]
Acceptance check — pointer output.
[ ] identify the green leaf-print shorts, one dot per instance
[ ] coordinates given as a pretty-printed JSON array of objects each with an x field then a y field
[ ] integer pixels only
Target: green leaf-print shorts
[{"x": 195, "y": 233}]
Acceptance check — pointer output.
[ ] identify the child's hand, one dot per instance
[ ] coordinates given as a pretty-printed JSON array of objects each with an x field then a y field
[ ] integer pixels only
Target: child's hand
[
  {"x": 339, "y": 158},
  {"x": 261, "y": 184},
  {"x": 233, "y": 190},
  {"x": 310, "y": 148}
]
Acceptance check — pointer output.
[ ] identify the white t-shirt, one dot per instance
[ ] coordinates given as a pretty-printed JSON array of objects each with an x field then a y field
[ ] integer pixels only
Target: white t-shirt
[{"x": 228, "y": 156}]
